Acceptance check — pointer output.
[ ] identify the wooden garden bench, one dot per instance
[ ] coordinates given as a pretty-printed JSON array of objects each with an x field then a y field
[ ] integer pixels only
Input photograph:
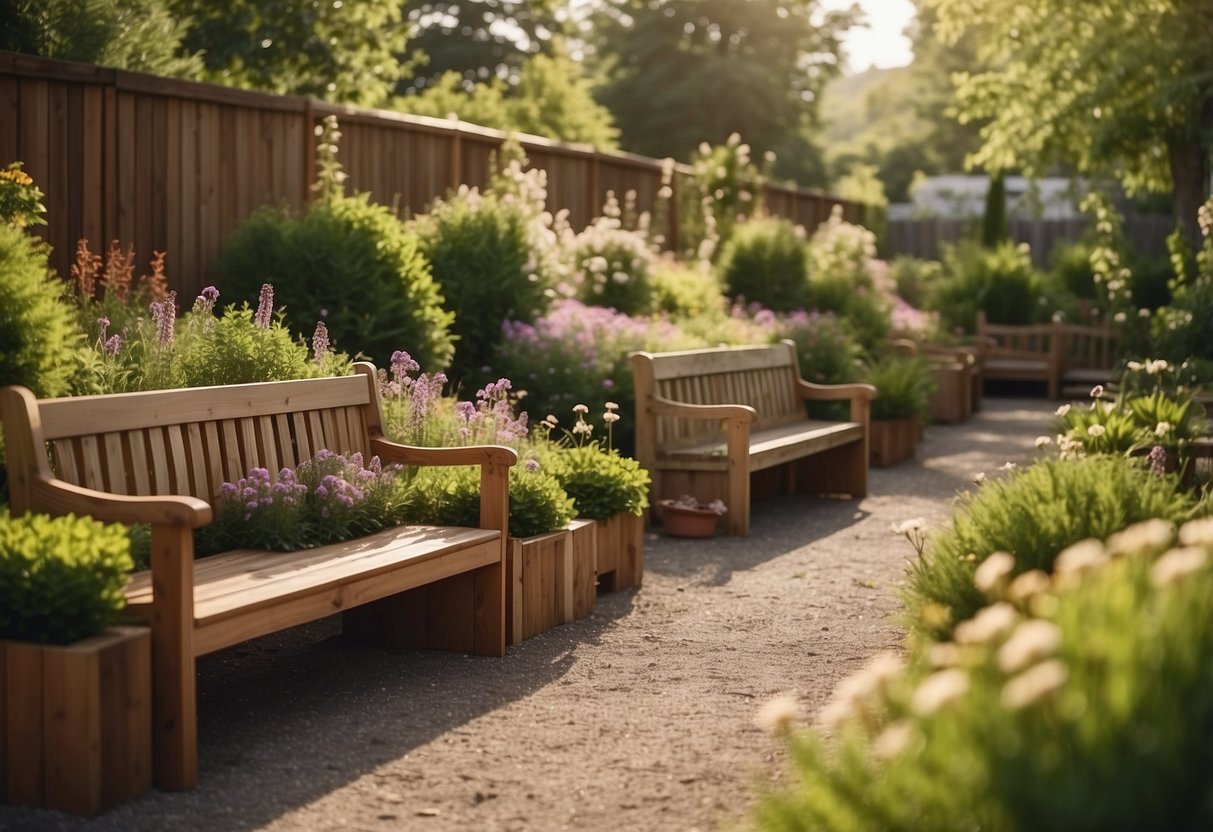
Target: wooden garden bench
[
  {"x": 161, "y": 457},
  {"x": 1031, "y": 352},
  {"x": 1089, "y": 356},
  {"x": 707, "y": 419}
]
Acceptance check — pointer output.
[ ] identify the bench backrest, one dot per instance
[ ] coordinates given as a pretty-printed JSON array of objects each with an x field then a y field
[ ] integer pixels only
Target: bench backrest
[
  {"x": 1023, "y": 342},
  {"x": 763, "y": 377},
  {"x": 1090, "y": 347},
  {"x": 189, "y": 442}
]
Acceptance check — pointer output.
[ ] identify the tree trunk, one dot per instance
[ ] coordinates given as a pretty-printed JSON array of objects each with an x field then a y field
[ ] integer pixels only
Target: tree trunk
[{"x": 1190, "y": 175}]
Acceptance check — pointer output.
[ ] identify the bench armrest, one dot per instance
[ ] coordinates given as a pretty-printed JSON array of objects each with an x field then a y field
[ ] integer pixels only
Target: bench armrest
[
  {"x": 835, "y": 392},
  {"x": 390, "y": 451},
  {"x": 661, "y": 406},
  {"x": 58, "y": 497}
]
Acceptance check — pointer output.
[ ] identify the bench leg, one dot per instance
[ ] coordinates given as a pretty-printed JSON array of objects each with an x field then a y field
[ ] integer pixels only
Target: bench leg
[
  {"x": 174, "y": 705},
  {"x": 841, "y": 470}
]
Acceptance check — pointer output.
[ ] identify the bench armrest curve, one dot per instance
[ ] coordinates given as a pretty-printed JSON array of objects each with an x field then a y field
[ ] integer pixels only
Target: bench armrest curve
[
  {"x": 827, "y": 392},
  {"x": 390, "y": 451},
  {"x": 56, "y": 496},
  {"x": 661, "y": 406}
]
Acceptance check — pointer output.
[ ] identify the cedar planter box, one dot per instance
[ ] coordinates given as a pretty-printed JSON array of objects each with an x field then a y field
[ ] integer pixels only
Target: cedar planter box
[
  {"x": 620, "y": 551},
  {"x": 549, "y": 580},
  {"x": 893, "y": 441},
  {"x": 76, "y": 721},
  {"x": 951, "y": 403}
]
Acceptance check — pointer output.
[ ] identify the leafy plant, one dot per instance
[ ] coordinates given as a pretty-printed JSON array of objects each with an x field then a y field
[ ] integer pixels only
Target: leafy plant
[
  {"x": 903, "y": 388},
  {"x": 20, "y": 199},
  {"x": 1000, "y": 281},
  {"x": 61, "y": 578},
  {"x": 611, "y": 263},
  {"x": 765, "y": 261},
  {"x": 684, "y": 290},
  {"x": 347, "y": 261},
  {"x": 238, "y": 351},
  {"x": 1071, "y": 702},
  {"x": 1033, "y": 514},
  {"x": 451, "y": 496},
  {"x": 601, "y": 482}
]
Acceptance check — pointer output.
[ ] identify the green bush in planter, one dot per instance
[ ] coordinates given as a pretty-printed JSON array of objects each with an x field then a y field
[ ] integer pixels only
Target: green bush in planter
[
  {"x": 765, "y": 261},
  {"x": 904, "y": 387},
  {"x": 602, "y": 483},
  {"x": 61, "y": 578},
  {"x": 1033, "y": 514},
  {"x": 451, "y": 497},
  {"x": 1077, "y": 703}
]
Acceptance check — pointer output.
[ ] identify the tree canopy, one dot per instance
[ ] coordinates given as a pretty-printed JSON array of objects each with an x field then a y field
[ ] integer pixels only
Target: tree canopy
[
  {"x": 680, "y": 72},
  {"x": 1117, "y": 87}
]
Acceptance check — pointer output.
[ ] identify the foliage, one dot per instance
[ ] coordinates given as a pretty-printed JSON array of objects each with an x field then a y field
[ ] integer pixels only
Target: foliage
[
  {"x": 1184, "y": 329},
  {"x": 1071, "y": 703},
  {"x": 1000, "y": 281},
  {"x": 327, "y": 499},
  {"x": 1118, "y": 88},
  {"x": 61, "y": 578},
  {"x": 20, "y": 199},
  {"x": 492, "y": 256},
  {"x": 994, "y": 219},
  {"x": 136, "y": 35},
  {"x": 39, "y": 342},
  {"x": 684, "y": 71},
  {"x": 840, "y": 258},
  {"x": 601, "y": 482},
  {"x": 861, "y": 184},
  {"x": 238, "y": 351},
  {"x": 611, "y": 262},
  {"x": 915, "y": 279},
  {"x": 346, "y": 261},
  {"x": 1033, "y": 514},
  {"x": 451, "y": 496},
  {"x": 552, "y": 98},
  {"x": 349, "y": 52},
  {"x": 1071, "y": 269},
  {"x": 765, "y": 261},
  {"x": 684, "y": 290},
  {"x": 903, "y": 388}
]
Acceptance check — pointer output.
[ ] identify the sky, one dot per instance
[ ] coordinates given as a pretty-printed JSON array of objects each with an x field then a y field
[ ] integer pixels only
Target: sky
[{"x": 882, "y": 44}]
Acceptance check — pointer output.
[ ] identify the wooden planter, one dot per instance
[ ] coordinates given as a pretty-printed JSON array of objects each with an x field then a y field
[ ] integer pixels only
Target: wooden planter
[
  {"x": 893, "y": 441},
  {"x": 620, "y": 552},
  {"x": 76, "y": 721},
  {"x": 549, "y": 580},
  {"x": 680, "y": 521},
  {"x": 951, "y": 403}
]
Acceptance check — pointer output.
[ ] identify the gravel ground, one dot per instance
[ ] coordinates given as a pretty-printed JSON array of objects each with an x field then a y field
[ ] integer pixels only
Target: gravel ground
[{"x": 639, "y": 717}]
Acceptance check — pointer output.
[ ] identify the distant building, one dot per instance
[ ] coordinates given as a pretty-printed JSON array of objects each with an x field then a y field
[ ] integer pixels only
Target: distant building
[{"x": 964, "y": 197}]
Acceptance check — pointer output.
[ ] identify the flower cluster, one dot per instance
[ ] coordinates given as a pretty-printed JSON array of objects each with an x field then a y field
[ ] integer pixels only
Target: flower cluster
[{"x": 20, "y": 199}]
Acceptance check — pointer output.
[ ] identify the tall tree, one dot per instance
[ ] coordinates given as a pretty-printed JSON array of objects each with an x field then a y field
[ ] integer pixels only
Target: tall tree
[
  {"x": 340, "y": 50},
  {"x": 481, "y": 40},
  {"x": 1118, "y": 87},
  {"x": 680, "y": 72}
]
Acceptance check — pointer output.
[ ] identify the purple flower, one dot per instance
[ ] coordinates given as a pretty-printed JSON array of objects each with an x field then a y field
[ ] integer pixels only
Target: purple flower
[
  {"x": 320, "y": 341},
  {"x": 104, "y": 324},
  {"x": 164, "y": 315},
  {"x": 112, "y": 344},
  {"x": 403, "y": 364},
  {"x": 465, "y": 411},
  {"x": 265, "y": 307},
  {"x": 532, "y": 466},
  {"x": 1158, "y": 460},
  {"x": 205, "y": 302}
]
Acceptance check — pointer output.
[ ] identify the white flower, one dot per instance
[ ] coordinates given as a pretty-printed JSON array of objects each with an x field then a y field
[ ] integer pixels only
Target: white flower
[
  {"x": 1097, "y": 391},
  {"x": 914, "y": 524},
  {"x": 1120, "y": 317},
  {"x": 938, "y": 690},
  {"x": 1062, "y": 411},
  {"x": 1157, "y": 366},
  {"x": 1178, "y": 563},
  {"x": 580, "y": 408},
  {"x": 1084, "y": 556},
  {"x": 1162, "y": 429},
  {"x": 860, "y": 686},
  {"x": 1197, "y": 532},
  {"x": 612, "y": 406},
  {"x": 1042, "y": 441},
  {"x": 944, "y": 654},
  {"x": 583, "y": 427},
  {"x": 989, "y": 623},
  {"x": 1135, "y": 366},
  {"x": 979, "y": 477},
  {"x": 893, "y": 740},
  {"x": 1096, "y": 430},
  {"x": 1031, "y": 642},
  {"x": 1034, "y": 684},
  {"x": 778, "y": 715},
  {"x": 1007, "y": 466},
  {"x": 993, "y": 570},
  {"x": 610, "y": 417},
  {"x": 1028, "y": 585},
  {"x": 1149, "y": 534}
]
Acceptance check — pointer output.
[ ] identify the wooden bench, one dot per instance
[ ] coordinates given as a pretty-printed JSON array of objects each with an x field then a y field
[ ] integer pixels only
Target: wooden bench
[
  {"x": 957, "y": 373},
  {"x": 706, "y": 420},
  {"x": 161, "y": 457},
  {"x": 1089, "y": 356},
  {"x": 1031, "y": 352}
]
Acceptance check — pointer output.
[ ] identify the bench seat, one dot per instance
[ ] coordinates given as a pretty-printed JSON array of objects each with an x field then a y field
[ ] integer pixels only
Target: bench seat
[
  {"x": 768, "y": 446},
  {"x": 234, "y": 590}
]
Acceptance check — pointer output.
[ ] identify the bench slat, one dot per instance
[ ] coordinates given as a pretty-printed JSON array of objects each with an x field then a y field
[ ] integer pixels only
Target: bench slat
[
  {"x": 249, "y": 452},
  {"x": 198, "y": 462},
  {"x": 214, "y": 458},
  {"x": 161, "y": 482},
  {"x": 140, "y": 469},
  {"x": 115, "y": 463},
  {"x": 282, "y": 431},
  {"x": 303, "y": 443},
  {"x": 181, "y": 473},
  {"x": 768, "y": 447}
]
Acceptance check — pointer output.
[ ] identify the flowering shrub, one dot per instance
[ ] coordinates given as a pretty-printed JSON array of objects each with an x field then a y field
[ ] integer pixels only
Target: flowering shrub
[
  {"x": 842, "y": 249},
  {"x": 611, "y": 263},
  {"x": 1075, "y": 701},
  {"x": 329, "y": 498},
  {"x": 1031, "y": 514},
  {"x": 725, "y": 188},
  {"x": 765, "y": 261},
  {"x": 20, "y": 199},
  {"x": 601, "y": 482},
  {"x": 684, "y": 290}
]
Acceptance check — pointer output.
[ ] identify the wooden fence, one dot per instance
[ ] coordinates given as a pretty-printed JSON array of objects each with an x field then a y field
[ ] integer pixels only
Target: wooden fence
[
  {"x": 1145, "y": 233},
  {"x": 167, "y": 165}
]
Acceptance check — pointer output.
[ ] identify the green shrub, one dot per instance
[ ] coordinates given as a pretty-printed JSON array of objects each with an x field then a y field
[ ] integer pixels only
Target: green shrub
[
  {"x": 765, "y": 262},
  {"x": 493, "y": 256},
  {"x": 1185, "y": 328},
  {"x": 725, "y": 187},
  {"x": 451, "y": 497},
  {"x": 915, "y": 278},
  {"x": 904, "y": 387},
  {"x": 1033, "y": 514},
  {"x": 601, "y": 482},
  {"x": 1078, "y": 703},
  {"x": 611, "y": 262},
  {"x": 349, "y": 262},
  {"x": 39, "y": 342},
  {"x": 237, "y": 351},
  {"x": 61, "y": 578},
  {"x": 1001, "y": 281},
  {"x": 683, "y": 290},
  {"x": 858, "y": 306},
  {"x": 1071, "y": 269}
]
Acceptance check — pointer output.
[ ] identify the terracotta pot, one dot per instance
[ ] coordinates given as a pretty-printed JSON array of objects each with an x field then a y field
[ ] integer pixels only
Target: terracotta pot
[{"x": 680, "y": 521}]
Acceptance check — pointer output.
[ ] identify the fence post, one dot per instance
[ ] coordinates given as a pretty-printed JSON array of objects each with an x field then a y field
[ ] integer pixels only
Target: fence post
[{"x": 454, "y": 162}]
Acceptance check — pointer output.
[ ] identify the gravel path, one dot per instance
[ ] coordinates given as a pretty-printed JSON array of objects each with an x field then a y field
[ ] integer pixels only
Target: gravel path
[{"x": 640, "y": 717}]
